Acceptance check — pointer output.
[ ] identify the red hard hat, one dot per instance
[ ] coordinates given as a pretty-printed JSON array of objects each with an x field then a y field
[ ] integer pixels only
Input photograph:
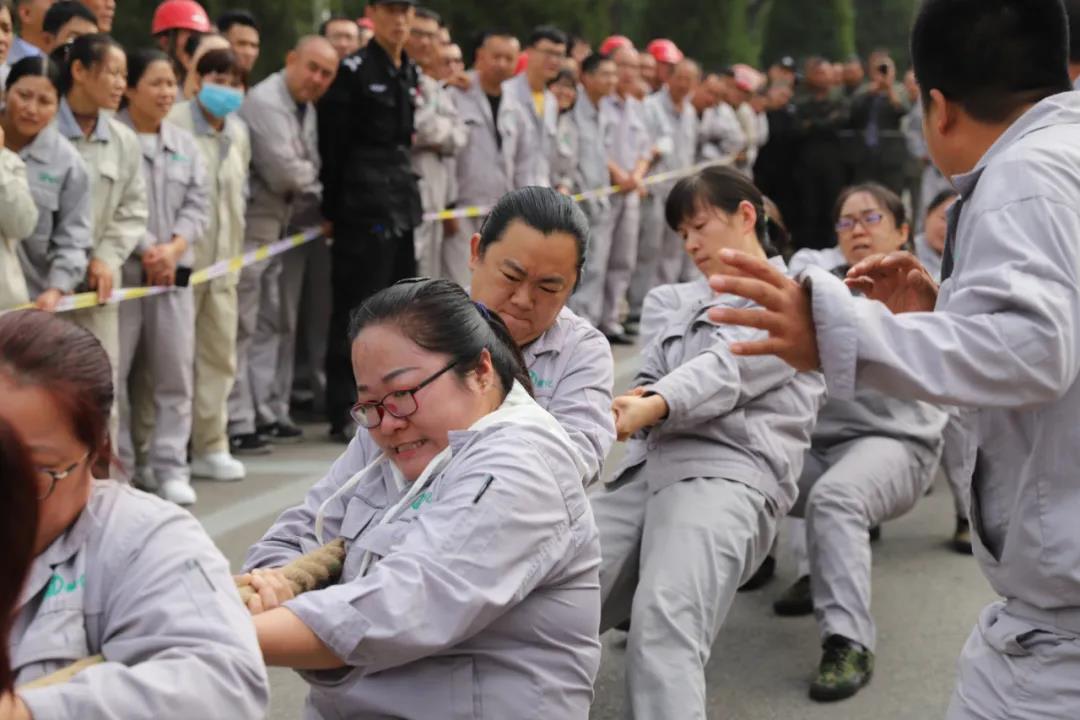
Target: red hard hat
[
  {"x": 615, "y": 42},
  {"x": 522, "y": 62},
  {"x": 665, "y": 51},
  {"x": 180, "y": 15}
]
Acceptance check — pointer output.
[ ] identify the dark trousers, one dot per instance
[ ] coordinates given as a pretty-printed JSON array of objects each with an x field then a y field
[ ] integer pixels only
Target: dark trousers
[
  {"x": 821, "y": 178},
  {"x": 354, "y": 277}
]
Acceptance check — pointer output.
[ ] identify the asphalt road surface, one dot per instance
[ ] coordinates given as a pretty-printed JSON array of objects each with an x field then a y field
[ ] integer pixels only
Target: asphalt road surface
[{"x": 926, "y": 599}]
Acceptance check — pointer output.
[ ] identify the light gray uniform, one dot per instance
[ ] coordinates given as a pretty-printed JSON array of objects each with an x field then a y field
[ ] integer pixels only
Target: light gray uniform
[
  {"x": 18, "y": 214},
  {"x": 661, "y": 259},
  {"x": 694, "y": 507},
  {"x": 933, "y": 182},
  {"x": 441, "y": 134},
  {"x": 564, "y": 157},
  {"x": 627, "y": 144},
  {"x": 137, "y": 580},
  {"x": 284, "y": 179},
  {"x": 572, "y": 373},
  {"x": 1005, "y": 343},
  {"x": 158, "y": 332},
  {"x": 485, "y": 602},
  {"x": 871, "y": 459},
  {"x": 593, "y": 124},
  {"x": 537, "y": 135},
  {"x": 486, "y": 167},
  {"x": 55, "y": 255},
  {"x": 720, "y": 134}
]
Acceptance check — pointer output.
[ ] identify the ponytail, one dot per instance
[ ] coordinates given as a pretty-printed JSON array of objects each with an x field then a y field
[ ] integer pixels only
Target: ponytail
[
  {"x": 439, "y": 316},
  {"x": 87, "y": 50}
]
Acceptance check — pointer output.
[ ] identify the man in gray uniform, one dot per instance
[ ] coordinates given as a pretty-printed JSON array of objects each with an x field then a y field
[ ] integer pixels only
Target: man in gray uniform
[
  {"x": 280, "y": 112},
  {"x": 488, "y": 163},
  {"x": 546, "y": 49},
  {"x": 660, "y": 254},
  {"x": 1001, "y": 336},
  {"x": 440, "y": 135}
]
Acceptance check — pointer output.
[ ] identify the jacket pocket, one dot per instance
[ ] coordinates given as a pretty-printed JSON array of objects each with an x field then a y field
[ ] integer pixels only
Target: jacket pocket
[{"x": 54, "y": 640}]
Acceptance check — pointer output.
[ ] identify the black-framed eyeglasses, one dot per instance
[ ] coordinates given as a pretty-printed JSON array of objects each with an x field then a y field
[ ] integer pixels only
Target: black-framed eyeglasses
[
  {"x": 400, "y": 403},
  {"x": 56, "y": 476}
]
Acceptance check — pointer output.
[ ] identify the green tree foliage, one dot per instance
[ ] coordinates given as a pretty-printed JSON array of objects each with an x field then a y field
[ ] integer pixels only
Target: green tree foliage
[{"x": 717, "y": 32}]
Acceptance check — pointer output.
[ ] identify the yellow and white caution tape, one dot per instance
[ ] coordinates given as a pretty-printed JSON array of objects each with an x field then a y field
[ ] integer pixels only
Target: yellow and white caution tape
[
  {"x": 83, "y": 301},
  {"x": 474, "y": 211}
]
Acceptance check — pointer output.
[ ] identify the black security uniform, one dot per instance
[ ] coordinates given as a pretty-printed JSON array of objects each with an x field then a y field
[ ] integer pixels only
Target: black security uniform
[{"x": 370, "y": 194}]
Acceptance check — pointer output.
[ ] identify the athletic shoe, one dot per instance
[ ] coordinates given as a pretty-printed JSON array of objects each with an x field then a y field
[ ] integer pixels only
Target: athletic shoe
[
  {"x": 250, "y": 444},
  {"x": 281, "y": 432},
  {"x": 961, "y": 541},
  {"x": 796, "y": 600},
  {"x": 219, "y": 466},
  {"x": 762, "y": 577},
  {"x": 179, "y": 492},
  {"x": 846, "y": 667}
]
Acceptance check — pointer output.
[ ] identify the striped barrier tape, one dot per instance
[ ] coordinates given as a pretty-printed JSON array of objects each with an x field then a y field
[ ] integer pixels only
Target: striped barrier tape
[
  {"x": 83, "y": 301},
  {"x": 86, "y": 300},
  {"x": 474, "y": 211}
]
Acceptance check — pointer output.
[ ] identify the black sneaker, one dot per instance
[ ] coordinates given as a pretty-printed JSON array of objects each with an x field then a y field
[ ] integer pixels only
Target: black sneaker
[
  {"x": 796, "y": 600},
  {"x": 875, "y": 533},
  {"x": 282, "y": 432},
  {"x": 846, "y": 667},
  {"x": 620, "y": 339},
  {"x": 762, "y": 577},
  {"x": 961, "y": 541},
  {"x": 251, "y": 444},
  {"x": 632, "y": 329}
]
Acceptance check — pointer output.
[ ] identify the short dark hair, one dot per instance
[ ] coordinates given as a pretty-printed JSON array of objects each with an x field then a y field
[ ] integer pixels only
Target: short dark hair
[
  {"x": 236, "y": 17},
  {"x": 544, "y": 210},
  {"x": 60, "y": 13},
  {"x": 724, "y": 189},
  {"x": 35, "y": 66},
  {"x": 546, "y": 32},
  {"x": 940, "y": 199},
  {"x": 440, "y": 317},
  {"x": 219, "y": 60},
  {"x": 484, "y": 35},
  {"x": 591, "y": 64},
  {"x": 889, "y": 201},
  {"x": 428, "y": 14},
  {"x": 333, "y": 19},
  {"x": 1072, "y": 9},
  {"x": 991, "y": 56}
]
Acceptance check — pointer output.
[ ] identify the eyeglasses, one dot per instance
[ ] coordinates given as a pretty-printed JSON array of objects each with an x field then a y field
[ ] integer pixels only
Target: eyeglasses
[
  {"x": 868, "y": 219},
  {"x": 56, "y": 476},
  {"x": 400, "y": 403}
]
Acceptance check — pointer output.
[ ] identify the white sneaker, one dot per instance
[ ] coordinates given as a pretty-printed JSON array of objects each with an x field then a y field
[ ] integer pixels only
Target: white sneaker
[
  {"x": 144, "y": 479},
  {"x": 179, "y": 492},
  {"x": 220, "y": 466}
]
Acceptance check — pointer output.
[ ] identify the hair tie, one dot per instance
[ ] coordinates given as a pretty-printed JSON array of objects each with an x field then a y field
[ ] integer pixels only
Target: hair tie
[{"x": 484, "y": 312}]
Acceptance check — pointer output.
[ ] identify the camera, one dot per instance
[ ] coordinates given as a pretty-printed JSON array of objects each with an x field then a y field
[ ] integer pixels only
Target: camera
[{"x": 883, "y": 68}]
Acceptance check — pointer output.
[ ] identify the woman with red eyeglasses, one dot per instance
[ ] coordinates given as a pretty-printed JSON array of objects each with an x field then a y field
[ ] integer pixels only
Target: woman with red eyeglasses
[{"x": 471, "y": 577}]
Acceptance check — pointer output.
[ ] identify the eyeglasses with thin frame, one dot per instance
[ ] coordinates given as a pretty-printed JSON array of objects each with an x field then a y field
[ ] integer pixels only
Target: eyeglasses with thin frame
[
  {"x": 400, "y": 403},
  {"x": 869, "y": 219},
  {"x": 56, "y": 476}
]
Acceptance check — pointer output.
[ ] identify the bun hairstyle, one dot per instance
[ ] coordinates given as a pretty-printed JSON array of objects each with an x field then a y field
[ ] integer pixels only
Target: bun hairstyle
[
  {"x": 724, "y": 189},
  {"x": 439, "y": 316},
  {"x": 544, "y": 210}
]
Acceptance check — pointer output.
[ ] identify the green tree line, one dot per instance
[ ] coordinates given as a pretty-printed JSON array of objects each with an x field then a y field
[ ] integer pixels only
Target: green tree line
[{"x": 717, "y": 32}]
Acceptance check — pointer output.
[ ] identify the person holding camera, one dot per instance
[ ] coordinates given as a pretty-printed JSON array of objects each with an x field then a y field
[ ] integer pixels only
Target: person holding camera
[{"x": 880, "y": 149}]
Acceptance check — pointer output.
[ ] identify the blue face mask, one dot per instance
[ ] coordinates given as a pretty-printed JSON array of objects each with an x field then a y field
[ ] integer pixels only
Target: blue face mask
[{"x": 219, "y": 100}]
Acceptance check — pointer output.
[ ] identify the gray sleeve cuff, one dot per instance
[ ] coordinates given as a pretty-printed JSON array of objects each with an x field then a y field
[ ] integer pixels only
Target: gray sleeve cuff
[{"x": 837, "y": 330}]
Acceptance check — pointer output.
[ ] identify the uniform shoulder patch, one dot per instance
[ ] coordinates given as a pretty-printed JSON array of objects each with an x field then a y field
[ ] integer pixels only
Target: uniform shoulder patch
[{"x": 353, "y": 62}]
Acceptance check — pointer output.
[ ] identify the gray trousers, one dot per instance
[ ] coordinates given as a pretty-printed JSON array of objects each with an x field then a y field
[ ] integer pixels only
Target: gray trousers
[
  {"x": 845, "y": 490},
  {"x": 588, "y": 300},
  {"x": 313, "y": 325},
  {"x": 952, "y": 462},
  {"x": 1017, "y": 668},
  {"x": 161, "y": 331},
  {"x": 249, "y": 293},
  {"x": 672, "y": 562},
  {"x": 649, "y": 252},
  {"x": 455, "y": 252}
]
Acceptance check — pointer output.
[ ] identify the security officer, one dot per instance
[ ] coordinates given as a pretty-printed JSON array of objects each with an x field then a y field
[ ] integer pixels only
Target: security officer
[{"x": 370, "y": 193}]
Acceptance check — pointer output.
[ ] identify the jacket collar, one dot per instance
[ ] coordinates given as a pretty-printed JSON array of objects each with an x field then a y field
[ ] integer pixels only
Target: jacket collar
[{"x": 69, "y": 128}]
